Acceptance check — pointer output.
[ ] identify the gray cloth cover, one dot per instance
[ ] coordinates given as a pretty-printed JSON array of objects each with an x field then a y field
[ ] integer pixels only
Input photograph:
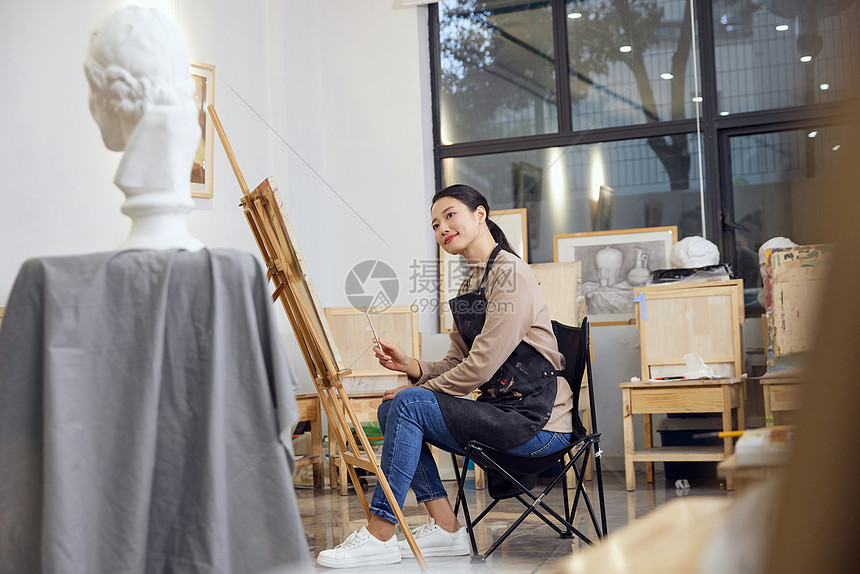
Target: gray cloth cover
[{"x": 143, "y": 396}]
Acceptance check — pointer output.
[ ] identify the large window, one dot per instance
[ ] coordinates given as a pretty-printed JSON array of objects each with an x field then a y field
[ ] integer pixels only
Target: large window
[
  {"x": 561, "y": 188},
  {"x": 682, "y": 112},
  {"x": 774, "y": 180},
  {"x": 497, "y": 70},
  {"x": 784, "y": 53},
  {"x": 629, "y": 62}
]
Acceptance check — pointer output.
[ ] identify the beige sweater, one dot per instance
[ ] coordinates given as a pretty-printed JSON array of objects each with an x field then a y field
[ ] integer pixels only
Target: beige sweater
[{"x": 516, "y": 311}]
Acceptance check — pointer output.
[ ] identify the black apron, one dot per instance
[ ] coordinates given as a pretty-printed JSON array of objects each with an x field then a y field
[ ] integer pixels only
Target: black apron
[{"x": 516, "y": 403}]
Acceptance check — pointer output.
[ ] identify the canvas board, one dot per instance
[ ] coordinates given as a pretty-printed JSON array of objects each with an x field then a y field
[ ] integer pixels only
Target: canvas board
[
  {"x": 560, "y": 285},
  {"x": 299, "y": 269},
  {"x": 352, "y": 333},
  {"x": 797, "y": 277}
]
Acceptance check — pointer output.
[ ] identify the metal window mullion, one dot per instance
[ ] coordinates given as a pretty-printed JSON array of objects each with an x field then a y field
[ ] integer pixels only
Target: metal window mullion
[
  {"x": 583, "y": 137},
  {"x": 435, "y": 66},
  {"x": 710, "y": 111},
  {"x": 562, "y": 73}
]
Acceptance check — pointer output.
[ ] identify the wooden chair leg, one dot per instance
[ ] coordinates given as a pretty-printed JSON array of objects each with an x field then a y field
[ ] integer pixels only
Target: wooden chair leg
[
  {"x": 649, "y": 442},
  {"x": 627, "y": 423},
  {"x": 316, "y": 447},
  {"x": 728, "y": 445},
  {"x": 332, "y": 454}
]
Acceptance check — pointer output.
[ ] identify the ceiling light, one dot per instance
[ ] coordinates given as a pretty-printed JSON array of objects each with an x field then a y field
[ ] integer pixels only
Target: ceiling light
[
  {"x": 805, "y": 59},
  {"x": 667, "y": 76},
  {"x": 824, "y": 86},
  {"x": 697, "y": 99},
  {"x": 782, "y": 28},
  {"x": 812, "y": 134},
  {"x": 724, "y": 113},
  {"x": 574, "y": 15},
  {"x": 625, "y": 49},
  {"x": 836, "y": 147}
]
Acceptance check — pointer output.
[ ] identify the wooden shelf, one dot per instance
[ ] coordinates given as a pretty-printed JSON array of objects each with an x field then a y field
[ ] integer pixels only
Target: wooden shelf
[{"x": 679, "y": 454}]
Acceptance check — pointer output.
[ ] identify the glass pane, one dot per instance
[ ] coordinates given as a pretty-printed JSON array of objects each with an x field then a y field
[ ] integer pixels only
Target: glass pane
[
  {"x": 561, "y": 187},
  {"x": 630, "y": 62},
  {"x": 774, "y": 177},
  {"x": 786, "y": 53},
  {"x": 497, "y": 76}
]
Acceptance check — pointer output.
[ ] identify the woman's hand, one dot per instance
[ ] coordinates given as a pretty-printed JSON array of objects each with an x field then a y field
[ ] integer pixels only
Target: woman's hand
[
  {"x": 393, "y": 358},
  {"x": 389, "y": 394}
]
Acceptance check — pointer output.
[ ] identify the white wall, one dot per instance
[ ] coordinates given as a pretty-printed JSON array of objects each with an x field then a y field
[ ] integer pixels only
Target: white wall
[
  {"x": 57, "y": 190},
  {"x": 328, "y": 97}
]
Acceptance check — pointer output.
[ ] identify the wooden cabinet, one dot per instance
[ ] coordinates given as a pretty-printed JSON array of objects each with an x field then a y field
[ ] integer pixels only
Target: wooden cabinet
[{"x": 674, "y": 320}]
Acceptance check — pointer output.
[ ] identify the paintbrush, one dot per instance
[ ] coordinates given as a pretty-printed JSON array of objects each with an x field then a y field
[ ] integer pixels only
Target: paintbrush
[{"x": 372, "y": 330}]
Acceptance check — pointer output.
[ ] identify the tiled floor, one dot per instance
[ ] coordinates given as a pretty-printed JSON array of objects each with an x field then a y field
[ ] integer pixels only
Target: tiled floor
[{"x": 328, "y": 518}]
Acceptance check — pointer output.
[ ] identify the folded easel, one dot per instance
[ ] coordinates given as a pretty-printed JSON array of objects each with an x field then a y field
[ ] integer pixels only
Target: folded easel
[{"x": 276, "y": 239}]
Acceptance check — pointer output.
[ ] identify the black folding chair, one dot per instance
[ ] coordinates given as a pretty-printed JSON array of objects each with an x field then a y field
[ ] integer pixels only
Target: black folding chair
[{"x": 511, "y": 476}]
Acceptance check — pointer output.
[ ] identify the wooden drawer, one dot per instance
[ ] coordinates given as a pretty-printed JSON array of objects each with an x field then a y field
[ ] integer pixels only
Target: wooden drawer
[{"x": 669, "y": 400}]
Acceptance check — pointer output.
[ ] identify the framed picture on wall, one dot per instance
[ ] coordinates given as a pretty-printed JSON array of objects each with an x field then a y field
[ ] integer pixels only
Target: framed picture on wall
[
  {"x": 528, "y": 194},
  {"x": 453, "y": 270},
  {"x": 204, "y": 95},
  {"x": 614, "y": 263}
]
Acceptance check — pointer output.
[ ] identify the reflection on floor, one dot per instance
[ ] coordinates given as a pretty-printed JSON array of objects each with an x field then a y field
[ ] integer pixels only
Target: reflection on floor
[{"x": 328, "y": 518}]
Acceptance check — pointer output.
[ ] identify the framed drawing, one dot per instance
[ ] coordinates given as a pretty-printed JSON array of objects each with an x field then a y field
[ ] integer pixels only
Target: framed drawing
[
  {"x": 453, "y": 270},
  {"x": 204, "y": 95},
  {"x": 614, "y": 263},
  {"x": 602, "y": 220}
]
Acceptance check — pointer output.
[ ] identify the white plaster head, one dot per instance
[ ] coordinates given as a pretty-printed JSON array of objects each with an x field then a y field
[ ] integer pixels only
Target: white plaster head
[
  {"x": 692, "y": 252},
  {"x": 136, "y": 59},
  {"x": 772, "y": 243},
  {"x": 142, "y": 98}
]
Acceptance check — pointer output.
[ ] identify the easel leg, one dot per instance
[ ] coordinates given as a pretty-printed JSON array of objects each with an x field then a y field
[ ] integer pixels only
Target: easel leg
[
  {"x": 358, "y": 490},
  {"x": 332, "y": 453}
]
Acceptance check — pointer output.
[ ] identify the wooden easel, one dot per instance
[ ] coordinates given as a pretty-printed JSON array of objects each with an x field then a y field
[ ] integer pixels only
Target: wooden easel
[{"x": 287, "y": 270}]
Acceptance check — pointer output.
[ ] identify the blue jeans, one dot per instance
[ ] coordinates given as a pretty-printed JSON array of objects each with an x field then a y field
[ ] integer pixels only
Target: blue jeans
[{"x": 411, "y": 421}]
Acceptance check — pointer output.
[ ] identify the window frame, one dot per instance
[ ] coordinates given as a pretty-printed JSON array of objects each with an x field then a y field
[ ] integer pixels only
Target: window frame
[{"x": 715, "y": 130}]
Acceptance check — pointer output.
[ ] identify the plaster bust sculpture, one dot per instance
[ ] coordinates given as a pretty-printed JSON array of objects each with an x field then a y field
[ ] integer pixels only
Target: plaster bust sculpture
[
  {"x": 141, "y": 96},
  {"x": 692, "y": 252},
  {"x": 772, "y": 243}
]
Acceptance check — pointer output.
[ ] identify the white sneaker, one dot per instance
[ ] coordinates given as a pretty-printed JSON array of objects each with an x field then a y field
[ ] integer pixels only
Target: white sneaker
[
  {"x": 360, "y": 548},
  {"x": 432, "y": 540}
]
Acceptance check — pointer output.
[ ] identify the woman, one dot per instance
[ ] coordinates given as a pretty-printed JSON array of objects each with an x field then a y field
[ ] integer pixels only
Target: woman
[{"x": 503, "y": 343}]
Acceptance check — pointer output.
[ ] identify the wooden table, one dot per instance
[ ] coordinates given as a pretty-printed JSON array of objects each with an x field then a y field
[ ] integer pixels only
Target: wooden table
[
  {"x": 309, "y": 410},
  {"x": 678, "y": 396},
  {"x": 782, "y": 391}
]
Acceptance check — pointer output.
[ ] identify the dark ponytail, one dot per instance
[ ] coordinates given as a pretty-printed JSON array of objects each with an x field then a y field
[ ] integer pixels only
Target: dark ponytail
[{"x": 472, "y": 198}]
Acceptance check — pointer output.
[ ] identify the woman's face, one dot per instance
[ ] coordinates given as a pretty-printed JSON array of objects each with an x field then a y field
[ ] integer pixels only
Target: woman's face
[{"x": 455, "y": 225}]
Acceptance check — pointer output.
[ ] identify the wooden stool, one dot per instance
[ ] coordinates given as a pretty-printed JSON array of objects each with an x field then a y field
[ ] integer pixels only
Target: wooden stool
[
  {"x": 309, "y": 410},
  {"x": 679, "y": 396}
]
